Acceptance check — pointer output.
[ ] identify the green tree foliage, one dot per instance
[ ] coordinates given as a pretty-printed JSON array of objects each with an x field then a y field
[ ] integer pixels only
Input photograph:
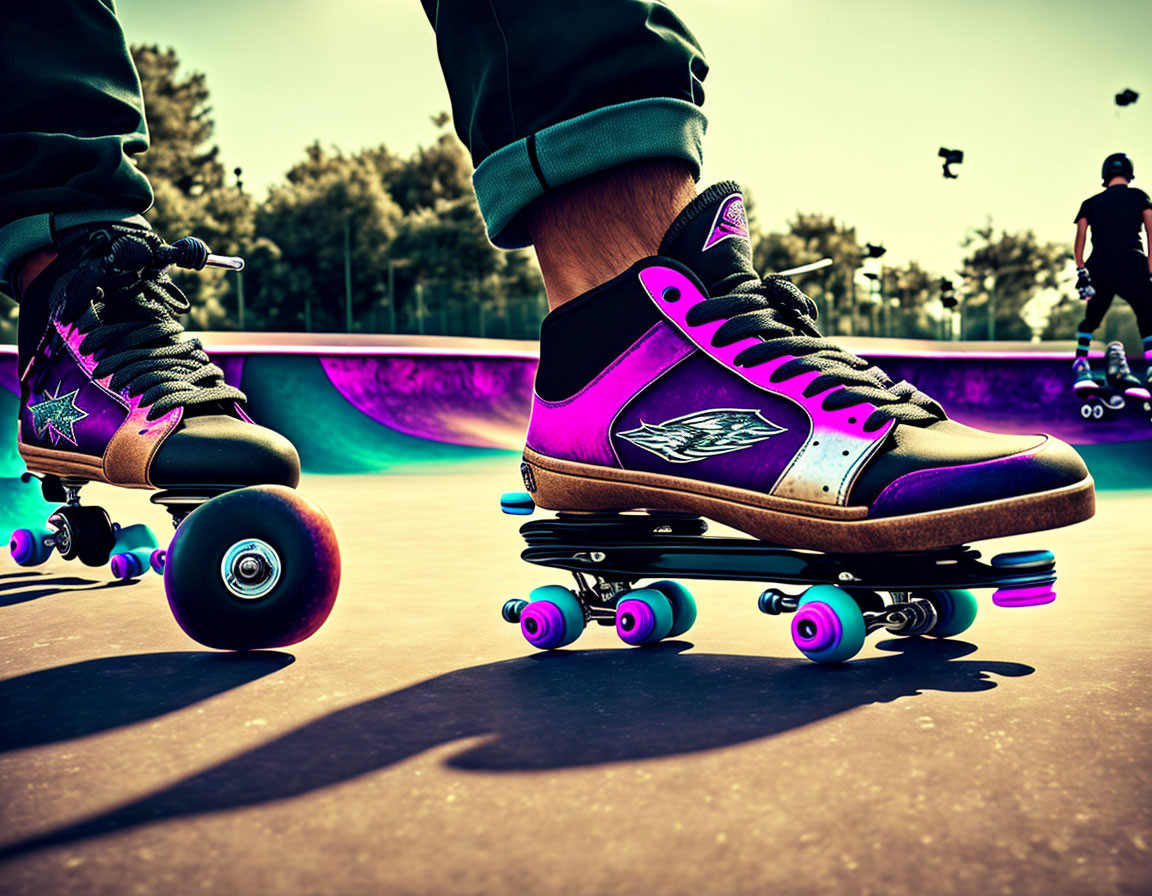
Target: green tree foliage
[
  {"x": 1003, "y": 272},
  {"x": 188, "y": 178},
  {"x": 913, "y": 301},
  {"x": 296, "y": 275},
  {"x": 408, "y": 231},
  {"x": 809, "y": 238}
]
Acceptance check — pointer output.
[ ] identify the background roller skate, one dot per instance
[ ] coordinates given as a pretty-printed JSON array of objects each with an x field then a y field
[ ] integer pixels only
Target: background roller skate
[
  {"x": 848, "y": 597},
  {"x": 1104, "y": 394}
]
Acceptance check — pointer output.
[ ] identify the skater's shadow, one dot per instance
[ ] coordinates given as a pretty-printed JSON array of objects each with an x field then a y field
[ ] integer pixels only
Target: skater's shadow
[
  {"x": 25, "y": 587},
  {"x": 547, "y": 711},
  {"x": 98, "y": 695}
]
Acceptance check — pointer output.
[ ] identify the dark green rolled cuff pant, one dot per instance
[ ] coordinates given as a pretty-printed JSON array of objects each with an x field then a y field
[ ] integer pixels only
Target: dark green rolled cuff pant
[{"x": 542, "y": 94}]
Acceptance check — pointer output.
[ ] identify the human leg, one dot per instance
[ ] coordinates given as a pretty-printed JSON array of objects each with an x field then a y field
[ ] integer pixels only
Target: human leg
[
  {"x": 1094, "y": 310},
  {"x": 71, "y": 121},
  {"x": 1138, "y": 294}
]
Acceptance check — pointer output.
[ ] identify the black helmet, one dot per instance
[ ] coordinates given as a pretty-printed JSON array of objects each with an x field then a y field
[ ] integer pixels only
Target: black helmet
[{"x": 1116, "y": 165}]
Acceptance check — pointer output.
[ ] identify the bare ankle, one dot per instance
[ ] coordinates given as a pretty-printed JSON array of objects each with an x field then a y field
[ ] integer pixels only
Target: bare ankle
[
  {"x": 588, "y": 231},
  {"x": 30, "y": 267}
]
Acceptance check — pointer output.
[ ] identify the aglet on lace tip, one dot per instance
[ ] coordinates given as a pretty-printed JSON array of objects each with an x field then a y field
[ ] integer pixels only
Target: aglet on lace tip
[{"x": 231, "y": 262}]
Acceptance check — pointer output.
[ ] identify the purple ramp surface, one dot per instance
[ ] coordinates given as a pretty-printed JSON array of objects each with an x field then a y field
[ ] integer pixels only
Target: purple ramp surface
[{"x": 472, "y": 400}]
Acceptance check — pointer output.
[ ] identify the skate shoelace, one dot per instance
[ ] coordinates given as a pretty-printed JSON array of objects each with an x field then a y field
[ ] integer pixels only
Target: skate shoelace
[
  {"x": 126, "y": 306},
  {"x": 775, "y": 311}
]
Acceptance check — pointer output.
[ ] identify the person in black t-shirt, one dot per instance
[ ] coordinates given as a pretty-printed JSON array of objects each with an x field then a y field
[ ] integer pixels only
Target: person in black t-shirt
[{"x": 1117, "y": 265}]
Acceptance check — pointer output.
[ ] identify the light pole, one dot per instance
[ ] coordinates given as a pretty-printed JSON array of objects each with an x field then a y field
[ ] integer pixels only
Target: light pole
[
  {"x": 394, "y": 263},
  {"x": 873, "y": 252},
  {"x": 240, "y": 273},
  {"x": 347, "y": 275}
]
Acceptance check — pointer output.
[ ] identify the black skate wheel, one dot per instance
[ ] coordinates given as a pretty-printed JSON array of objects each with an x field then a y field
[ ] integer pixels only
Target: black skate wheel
[
  {"x": 84, "y": 534},
  {"x": 253, "y": 569}
]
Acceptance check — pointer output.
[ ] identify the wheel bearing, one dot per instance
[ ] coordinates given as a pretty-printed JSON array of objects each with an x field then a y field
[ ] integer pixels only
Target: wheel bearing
[{"x": 250, "y": 569}]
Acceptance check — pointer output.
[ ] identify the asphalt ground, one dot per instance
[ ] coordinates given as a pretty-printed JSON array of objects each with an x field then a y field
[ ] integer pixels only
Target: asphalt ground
[{"x": 417, "y": 744}]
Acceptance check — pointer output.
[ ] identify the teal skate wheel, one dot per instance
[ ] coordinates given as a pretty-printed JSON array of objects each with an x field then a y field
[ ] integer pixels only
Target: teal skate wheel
[
  {"x": 28, "y": 547},
  {"x": 517, "y": 503},
  {"x": 683, "y": 606},
  {"x": 828, "y": 626},
  {"x": 552, "y": 618},
  {"x": 955, "y": 611},
  {"x": 1024, "y": 560}
]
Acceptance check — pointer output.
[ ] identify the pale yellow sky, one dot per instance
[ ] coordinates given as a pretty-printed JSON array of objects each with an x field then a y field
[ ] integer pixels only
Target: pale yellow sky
[{"x": 836, "y": 106}]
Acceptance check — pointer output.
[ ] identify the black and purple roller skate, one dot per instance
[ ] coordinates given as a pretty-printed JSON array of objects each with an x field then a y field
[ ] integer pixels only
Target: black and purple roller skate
[
  {"x": 1098, "y": 400},
  {"x": 112, "y": 391},
  {"x": 688, "y": 385}
]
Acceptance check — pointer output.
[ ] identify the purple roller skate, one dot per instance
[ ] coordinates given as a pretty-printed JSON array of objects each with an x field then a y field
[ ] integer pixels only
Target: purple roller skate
[
  {"x": 690, "y": 384},
  {"x": 112, "y": 391}
]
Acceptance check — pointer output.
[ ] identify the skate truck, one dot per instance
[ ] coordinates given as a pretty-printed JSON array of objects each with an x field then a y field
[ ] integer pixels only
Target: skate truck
[{"x": 847, "y": 595}]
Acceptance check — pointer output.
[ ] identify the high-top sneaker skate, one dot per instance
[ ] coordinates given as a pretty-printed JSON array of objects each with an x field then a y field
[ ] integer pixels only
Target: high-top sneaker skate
[
  {"x": 688, "y": 383},
  {"x": 689, "y": 387},
  {"x": 1119, "y": 374},
  {"x": 113, "y": 391}
]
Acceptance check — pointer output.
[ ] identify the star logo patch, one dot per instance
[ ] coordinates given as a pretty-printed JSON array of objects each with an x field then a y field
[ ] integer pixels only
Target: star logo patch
[{"x": 57, "y": 415}]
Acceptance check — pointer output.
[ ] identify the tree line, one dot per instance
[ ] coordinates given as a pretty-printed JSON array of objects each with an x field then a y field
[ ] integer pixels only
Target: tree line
[{"x": 376, "y": 241}]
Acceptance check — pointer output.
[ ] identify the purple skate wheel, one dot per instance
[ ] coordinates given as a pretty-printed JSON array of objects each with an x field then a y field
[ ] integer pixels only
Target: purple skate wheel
[
  {"x": 816, "y": 628},
  {"x": 643, "y": 616},
  {"x": 828, "y": 626},
  {"x": 542, "y": 624},
  {"x": 1033, "y": 596},
  {"x": 126, "y": 566},
  {"x": 552, "y": 617},
  {"x": 635, "y": 621},
  {"x": 27, "y": 547},
  {"x": 156, "y": 561}
]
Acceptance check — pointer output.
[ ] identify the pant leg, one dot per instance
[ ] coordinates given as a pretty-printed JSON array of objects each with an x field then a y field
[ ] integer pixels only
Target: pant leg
[
  {"x": 1095, "y": 309},
  {"x": 71, "y": 118},
  {"x": 546, "y": 93},
  {"x": 1137, "y": 292}
]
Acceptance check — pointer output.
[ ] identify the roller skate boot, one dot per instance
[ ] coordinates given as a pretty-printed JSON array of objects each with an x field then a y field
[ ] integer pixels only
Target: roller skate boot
[
  {"x": 713, "y": 392},
  {"x": 113, "y": 391},
  {"x": 1082, "y": 379},
  {"x": 712, "y": 396},
  {"x": 1120, "y": 376}
]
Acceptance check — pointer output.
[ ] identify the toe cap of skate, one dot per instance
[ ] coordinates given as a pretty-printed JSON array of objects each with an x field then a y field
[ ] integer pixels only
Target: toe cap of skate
[
  {"x": 1050, "y": 466},
  {"x": 222, "y": 451}
]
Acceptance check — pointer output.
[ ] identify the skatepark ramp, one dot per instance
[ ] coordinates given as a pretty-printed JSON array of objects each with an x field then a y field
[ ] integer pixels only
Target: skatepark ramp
[{"x": 355, "y": 404}]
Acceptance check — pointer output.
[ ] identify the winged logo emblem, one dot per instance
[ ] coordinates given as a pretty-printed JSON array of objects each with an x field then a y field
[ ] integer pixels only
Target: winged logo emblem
[{"x": 695, "y": 437}]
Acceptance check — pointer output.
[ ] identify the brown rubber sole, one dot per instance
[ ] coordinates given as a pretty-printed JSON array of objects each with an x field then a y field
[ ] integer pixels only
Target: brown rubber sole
[
  {"x": 564, "y": 485},
  {"x": 67, "y": 464}
]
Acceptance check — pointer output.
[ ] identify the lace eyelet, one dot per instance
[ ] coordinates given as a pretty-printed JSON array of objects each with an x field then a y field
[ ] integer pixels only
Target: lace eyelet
[{"x": 670, "y": 294}]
